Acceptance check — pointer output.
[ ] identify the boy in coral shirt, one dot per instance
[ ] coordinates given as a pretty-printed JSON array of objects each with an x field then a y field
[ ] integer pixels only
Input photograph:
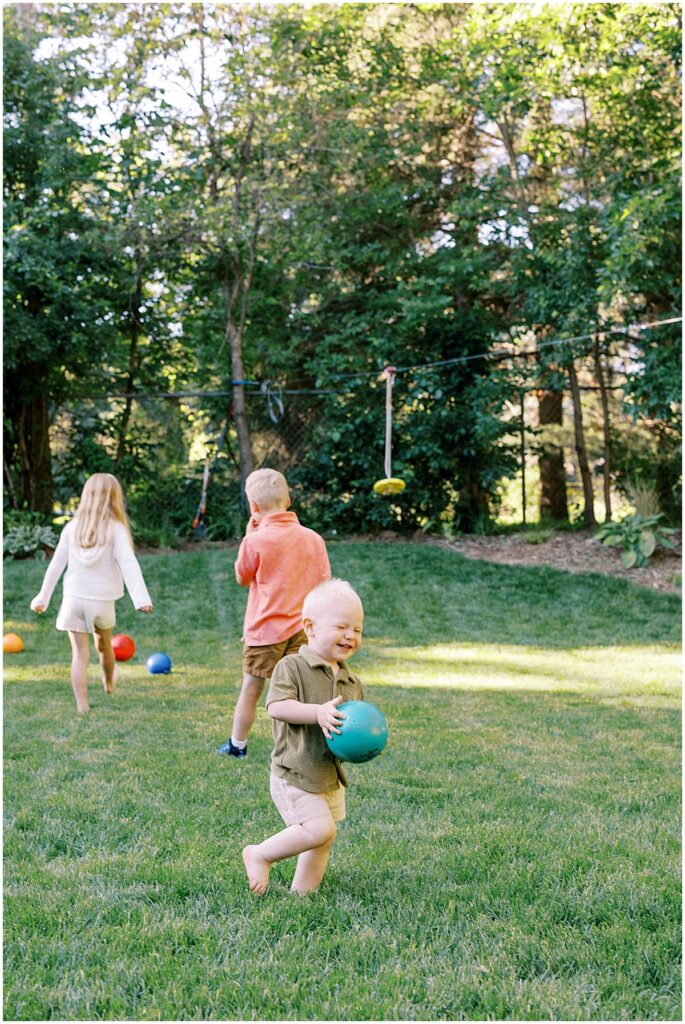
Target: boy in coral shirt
[{"x": 280, "y": 561}]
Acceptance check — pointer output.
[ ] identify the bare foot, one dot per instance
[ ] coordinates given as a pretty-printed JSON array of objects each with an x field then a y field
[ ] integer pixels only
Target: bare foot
[
  {"x": 82, "y": 711},
  {"x": 115, "y": 678},
  {"x": 257, "y": 870}
]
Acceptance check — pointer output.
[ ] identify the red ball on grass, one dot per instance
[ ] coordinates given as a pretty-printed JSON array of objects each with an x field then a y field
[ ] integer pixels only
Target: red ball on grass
[{"x": 123, "y": 646}]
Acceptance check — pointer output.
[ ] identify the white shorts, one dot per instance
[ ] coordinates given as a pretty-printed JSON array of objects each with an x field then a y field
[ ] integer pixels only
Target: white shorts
[
  {"x": 296, "y": 806},
  {"x": 81, "y": 615}
]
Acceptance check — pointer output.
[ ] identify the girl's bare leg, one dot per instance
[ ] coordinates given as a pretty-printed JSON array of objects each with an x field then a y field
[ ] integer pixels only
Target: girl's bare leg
[
  {"x": 110, "y": 669},
  {"x": 292, "y": 841},
  {"x": 80, "y": 653}
]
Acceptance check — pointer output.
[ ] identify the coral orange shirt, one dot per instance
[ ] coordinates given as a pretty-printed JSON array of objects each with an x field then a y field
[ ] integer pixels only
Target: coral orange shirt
[{"x": 280, "y": 561}]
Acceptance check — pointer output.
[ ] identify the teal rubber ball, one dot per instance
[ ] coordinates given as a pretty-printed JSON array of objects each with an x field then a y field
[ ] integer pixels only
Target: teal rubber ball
[
  {"x": 363, "y": 732},
  {"x": 158, "y": 664}
]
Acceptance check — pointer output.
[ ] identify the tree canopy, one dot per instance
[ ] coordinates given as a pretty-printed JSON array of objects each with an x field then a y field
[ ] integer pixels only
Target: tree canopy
[{"x": 265, "y": 205}]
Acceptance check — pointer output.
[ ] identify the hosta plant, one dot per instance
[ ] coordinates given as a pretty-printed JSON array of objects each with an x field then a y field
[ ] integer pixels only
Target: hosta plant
[
  {"x": 26, "y": 540},
  {"x": 638, "y": 536}
]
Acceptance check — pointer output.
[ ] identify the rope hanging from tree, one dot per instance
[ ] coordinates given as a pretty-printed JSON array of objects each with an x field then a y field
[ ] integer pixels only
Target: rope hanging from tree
[
  {"x": 391, "y": 484},
  {"x": 274, "y": 401},
  {"x": 198, "y": 521}
]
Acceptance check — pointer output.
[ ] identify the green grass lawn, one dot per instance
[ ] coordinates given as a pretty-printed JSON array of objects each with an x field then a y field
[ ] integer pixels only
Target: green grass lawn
[{"x": 513, "y": 854}]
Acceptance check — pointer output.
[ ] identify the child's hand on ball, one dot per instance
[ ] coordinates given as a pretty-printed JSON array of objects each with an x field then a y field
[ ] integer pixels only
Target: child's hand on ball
[{"x": 329, "y": 717}]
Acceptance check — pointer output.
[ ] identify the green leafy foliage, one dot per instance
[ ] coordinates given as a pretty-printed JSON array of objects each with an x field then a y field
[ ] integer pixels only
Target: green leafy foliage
[
  {"x": 648, "y": 454},
  {"x": 638, "y": 536},
  {"x": 26, "y": 541},
  {"x": 362, "y": 185}
]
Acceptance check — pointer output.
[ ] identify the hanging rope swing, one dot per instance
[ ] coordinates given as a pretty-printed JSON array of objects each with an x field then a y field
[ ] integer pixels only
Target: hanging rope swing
[
  {"x": 391, "y": 484},
  {"x": 199, "y": 527},
  {"x": 275, "y": 408}
]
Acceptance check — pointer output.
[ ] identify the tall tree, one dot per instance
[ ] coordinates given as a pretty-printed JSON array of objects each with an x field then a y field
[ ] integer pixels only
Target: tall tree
[
  {"x": 56, "y": 275},
  {"x": 239, "y": 141},
  {"x": 305, "y": 194}
]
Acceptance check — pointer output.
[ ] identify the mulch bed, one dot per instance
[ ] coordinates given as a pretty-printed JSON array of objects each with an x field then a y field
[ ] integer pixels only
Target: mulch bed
[{"x": 575, "y": 551}]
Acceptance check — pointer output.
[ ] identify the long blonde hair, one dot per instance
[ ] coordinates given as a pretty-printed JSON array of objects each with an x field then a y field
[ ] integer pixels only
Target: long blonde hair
[{"x": 102, "y": 500}]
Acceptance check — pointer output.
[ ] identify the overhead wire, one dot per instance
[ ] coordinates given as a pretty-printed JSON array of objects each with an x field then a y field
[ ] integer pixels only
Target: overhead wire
[
  {"x": 285, "y": 389},
  {"x": 274, "y": 392},
  {"x": 507, "y": 354}
]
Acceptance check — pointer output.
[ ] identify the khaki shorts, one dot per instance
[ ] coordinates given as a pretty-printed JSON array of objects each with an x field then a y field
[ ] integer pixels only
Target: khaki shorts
[
  {"x": 261, "y": 661},
  {"x": 81, "y": 615},
  {"x": 297, "y": 807}
]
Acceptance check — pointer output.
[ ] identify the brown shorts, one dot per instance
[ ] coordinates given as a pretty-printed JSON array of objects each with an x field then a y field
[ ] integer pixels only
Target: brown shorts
[{"x": 261, "y": 661}]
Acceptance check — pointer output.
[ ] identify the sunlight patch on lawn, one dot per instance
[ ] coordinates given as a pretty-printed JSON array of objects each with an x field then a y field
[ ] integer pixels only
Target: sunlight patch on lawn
[
  {"x": 648, "y": 674},
  {"x": 181, "y": 673},
  {"x": 607, "y": 671},
  {"x": 21, "y": 626}
]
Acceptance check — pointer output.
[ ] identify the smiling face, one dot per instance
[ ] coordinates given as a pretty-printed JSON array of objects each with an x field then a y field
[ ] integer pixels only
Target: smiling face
[{"x": 334, "y": 630}]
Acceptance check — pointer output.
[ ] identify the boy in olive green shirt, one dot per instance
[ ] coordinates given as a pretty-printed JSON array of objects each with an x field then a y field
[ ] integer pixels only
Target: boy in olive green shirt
[{"x": 306, "y": 780}]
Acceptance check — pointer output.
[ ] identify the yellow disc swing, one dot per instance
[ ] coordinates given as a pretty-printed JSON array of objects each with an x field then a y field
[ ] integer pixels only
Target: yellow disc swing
[{"x": 391, "y": 484}]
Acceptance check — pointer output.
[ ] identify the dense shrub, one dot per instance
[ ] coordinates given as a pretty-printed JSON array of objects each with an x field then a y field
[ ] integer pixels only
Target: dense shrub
[{"x": 27, "y": 534}]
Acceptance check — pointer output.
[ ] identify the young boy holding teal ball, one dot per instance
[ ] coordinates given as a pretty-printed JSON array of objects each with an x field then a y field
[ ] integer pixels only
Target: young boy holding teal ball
[{"x": 307, "y": 781}]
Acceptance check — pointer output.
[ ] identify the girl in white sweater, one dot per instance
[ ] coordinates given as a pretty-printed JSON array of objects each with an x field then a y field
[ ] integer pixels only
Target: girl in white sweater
[{"x": 97, "y": 552}]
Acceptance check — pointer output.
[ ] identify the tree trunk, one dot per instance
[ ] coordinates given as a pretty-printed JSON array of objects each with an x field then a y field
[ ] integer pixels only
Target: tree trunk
[
  {"x": 236, "y": 276},
  {"x": 581, "y": 450},
  {"x": 235, "y": 343},
  {"x": 33, "y": 439},
  {"x": 11, "y": 493},
  {"x": 606, "y": 427},
  {"x": 473, "y": 508},
  {"x": 553, "y": 500},
  {"x": 235, "y": 301},
  {"x": 506, "y": 131},
  {"x": 134, "y": 314}
]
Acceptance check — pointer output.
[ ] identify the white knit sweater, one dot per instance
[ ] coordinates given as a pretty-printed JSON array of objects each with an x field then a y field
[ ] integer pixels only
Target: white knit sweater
[{"x": 97, "y": 573}]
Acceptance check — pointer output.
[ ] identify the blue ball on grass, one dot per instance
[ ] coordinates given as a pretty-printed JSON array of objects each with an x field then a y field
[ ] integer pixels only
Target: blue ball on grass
[{"x": 158, "y": 664}]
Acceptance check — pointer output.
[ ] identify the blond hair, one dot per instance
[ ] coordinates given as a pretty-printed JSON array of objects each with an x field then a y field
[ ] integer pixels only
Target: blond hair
[
  {"x": 267, "y": 488},
  {"x": 102, "y": 500},
  {"x": 330, "y": 590}
]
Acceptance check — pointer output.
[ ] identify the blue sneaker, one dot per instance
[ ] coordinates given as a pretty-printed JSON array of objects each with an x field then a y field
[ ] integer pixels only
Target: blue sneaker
[{"x": 231, "y": 750}]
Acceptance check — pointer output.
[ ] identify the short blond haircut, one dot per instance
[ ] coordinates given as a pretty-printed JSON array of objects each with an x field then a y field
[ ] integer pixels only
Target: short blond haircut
[
  {"x": 267, "y": 488},
  {"x": 102, "y": 500},
  {"x": 327, "y": 593}
]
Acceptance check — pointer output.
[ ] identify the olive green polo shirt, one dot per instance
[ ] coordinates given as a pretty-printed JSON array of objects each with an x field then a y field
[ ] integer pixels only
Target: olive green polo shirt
[{"x": 300, "y": 754}]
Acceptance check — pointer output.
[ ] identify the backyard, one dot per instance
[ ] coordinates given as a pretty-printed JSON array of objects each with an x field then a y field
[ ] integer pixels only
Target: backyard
[
  {"x": 423, "y": 261},
  {"x": 513, "y": 854}
]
